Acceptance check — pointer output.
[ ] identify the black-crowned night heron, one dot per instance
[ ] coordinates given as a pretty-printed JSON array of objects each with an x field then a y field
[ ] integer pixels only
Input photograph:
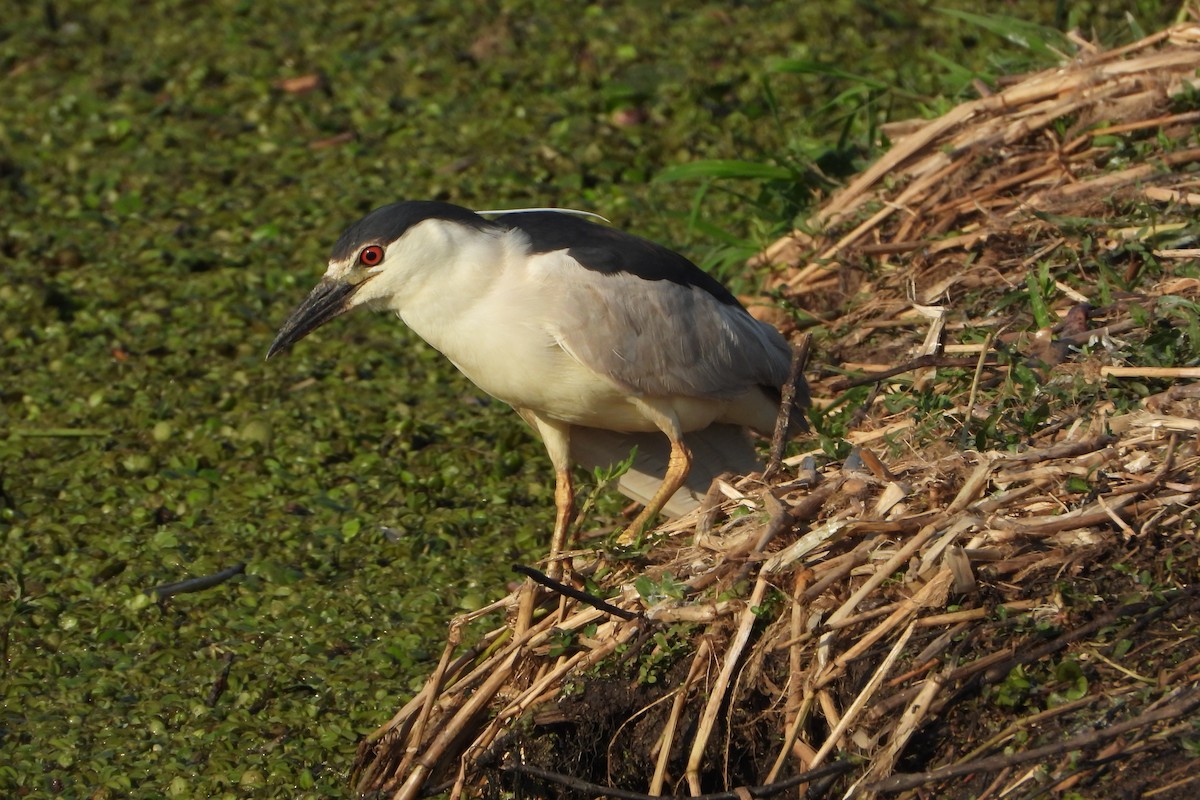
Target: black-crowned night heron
[{"x": 598, "y": 338}]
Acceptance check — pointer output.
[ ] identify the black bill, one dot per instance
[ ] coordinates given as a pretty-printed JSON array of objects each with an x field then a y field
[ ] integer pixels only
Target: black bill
[{"x": 327, "y": 300}]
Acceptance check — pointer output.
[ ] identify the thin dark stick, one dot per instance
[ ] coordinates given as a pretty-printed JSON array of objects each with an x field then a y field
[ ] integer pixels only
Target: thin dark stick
[
  {"x": 787, "y": 404},
  {"x": 892, "y": 248},
  {"x": 596, "y": 790},
  {"x": 910, "y": 780},
  {"x": 1100, "y": 333},
  {"x": 1063, "y": 450},
  {"x": 931, "y": 360},
  {"x": 572, "y": 592},
  {"x": 441, "y": 788},
  {"x": 1093, "y": 765},
  {"x": 197, "y": 584}
]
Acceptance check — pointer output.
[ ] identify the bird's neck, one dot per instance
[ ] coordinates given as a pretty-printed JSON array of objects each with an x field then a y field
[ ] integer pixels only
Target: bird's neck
[{"x": 440, "y": 294}]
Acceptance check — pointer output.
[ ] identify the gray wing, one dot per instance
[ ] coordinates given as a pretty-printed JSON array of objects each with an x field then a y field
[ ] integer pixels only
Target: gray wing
[{"x": 662, "y": 338}]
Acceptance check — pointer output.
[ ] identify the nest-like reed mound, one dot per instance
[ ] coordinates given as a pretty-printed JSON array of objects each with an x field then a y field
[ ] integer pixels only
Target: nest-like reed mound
[{"x": 984, "y": 579}]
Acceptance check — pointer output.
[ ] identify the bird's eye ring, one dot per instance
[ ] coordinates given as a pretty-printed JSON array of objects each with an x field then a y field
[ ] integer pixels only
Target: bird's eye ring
[{"x": 371, "y": 256}]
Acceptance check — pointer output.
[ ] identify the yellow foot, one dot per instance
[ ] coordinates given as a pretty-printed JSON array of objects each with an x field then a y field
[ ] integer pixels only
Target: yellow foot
[{"x": 637, "y": 530}]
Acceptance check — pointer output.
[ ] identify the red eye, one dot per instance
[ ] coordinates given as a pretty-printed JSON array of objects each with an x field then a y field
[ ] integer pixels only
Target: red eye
[{"x": 371, "y": 256}]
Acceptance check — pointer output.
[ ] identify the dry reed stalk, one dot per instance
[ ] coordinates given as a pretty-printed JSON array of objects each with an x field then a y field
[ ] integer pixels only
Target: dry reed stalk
[
  {"x": 910, "y": 719},
  {"x": 667, "y": 737},
  {"x": 791, "y": 736},
  {"x": 413, "y": 785},
  {"x": 863, "y": 616},
  {"x": 1171, "y": 787},
  {"x": 540, "y": 693},
  {"x": 1173, "y": 373},
  {"x": 717, "y": 697},
  {"x": 933, "y": 592},
  {"x": 860, "y": 701},
  {"x": 536, "y": 693},
  {"x": 794, "y": 686},
  {"x": 432, "y": 690},
  {"x": 1183, "y": 704},
  {"x": 884, "y": 572}
]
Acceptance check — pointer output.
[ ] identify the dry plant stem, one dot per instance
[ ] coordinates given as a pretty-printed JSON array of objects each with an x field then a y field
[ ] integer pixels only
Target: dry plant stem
[
  {"x": 934, "y": 588},
  {"x": 979, "y": 365},
  {"x": 793, "y": 732},
  {"x": 884, "y": 572},
  {"x": 808, "y": 506},
  {"x": 865, "y": 616},
  {"x": 610, "y": 754},
  {"x": 1173, "y": 373},
  {"x": 837, "y": 568},
  {"x": 740, "y": 793},
  {"x": 795, "y": 654},
  {"x": 525, "y": 608},
  {"x": 433, "y": 752},
  {"x": 890, "y": 704},
  {"x": 829, "y": 709},
  {"x": 400, "y": 725},
  {"x": 998, "y": 672},
  {"x": 787, "y": 404},
  {"x": 991, "y": 792},
  {"x": 1186, "y": 702},
  {"x": 859, "y": 702},
  {"x": 780, "y": 519},
  {"x": 1023, "y": 724},
  {"x": 923, "y": 666},
  {"x": 580, "y": 660},
  {"x": 451, "y": 729},
  {"x": 544, "y": 690},
  {"x": 1172, "y": 786},
  {"x": 667, "y": 737},
  {"x": 717, "y": 697},
  {"x": 432, "y": 689},
  {"x": 1180, "y": 671},
  {"x": 1055, "y": 452},
  {"x": 1040, "y": 99},
  {"x": 921, "y": 362},
  {"x": 913, "y": 715},
  {"x": 1097, "y": 515},
  {"x": 1062, "y": 777}
]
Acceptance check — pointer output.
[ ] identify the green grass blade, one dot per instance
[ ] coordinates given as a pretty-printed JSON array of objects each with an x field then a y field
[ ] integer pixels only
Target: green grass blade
[
  {"x": 1038, "y": 39},
  {"x": 805, "y": 67},
  {"x": 1039, "y": 305}
]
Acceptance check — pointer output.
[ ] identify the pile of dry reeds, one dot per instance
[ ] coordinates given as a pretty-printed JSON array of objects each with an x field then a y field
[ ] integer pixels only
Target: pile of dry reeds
[{"x": 915, "y": 613}]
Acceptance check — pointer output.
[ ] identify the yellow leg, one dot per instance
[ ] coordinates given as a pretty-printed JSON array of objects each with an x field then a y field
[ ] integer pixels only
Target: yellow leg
[
  {"x": 564, "y": 505},
  {"x": 677, "y": 472},
  {"x": 557, "y": 438},
  {"x": 663, "y": 416}
]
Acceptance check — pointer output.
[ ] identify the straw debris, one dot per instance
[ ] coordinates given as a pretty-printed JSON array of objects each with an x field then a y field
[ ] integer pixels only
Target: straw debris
[{"x": 981, "y": 576}]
